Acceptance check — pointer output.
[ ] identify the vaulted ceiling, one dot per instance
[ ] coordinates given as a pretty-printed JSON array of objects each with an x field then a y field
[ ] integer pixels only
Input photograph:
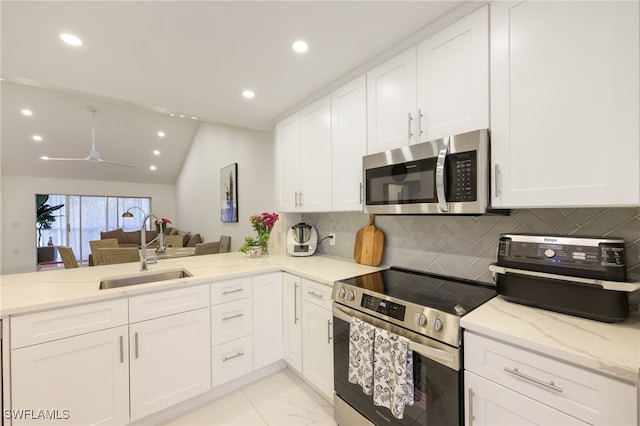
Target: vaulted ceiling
[{"x": 142, "y": 61}]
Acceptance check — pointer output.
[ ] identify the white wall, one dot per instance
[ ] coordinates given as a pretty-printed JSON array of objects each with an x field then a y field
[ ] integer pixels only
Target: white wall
[
  {"x": 18, "y": 212},
  {"x": 198, "y": 186}
]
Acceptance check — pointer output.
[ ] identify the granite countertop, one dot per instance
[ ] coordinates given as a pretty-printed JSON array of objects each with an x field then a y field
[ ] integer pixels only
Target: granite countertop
[
  {"x": 610, "y": 349},
  {"x": 28, "y": 292}
]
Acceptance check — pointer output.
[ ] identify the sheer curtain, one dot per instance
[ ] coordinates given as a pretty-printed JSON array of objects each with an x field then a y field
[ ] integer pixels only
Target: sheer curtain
[{"x": 83, "y": 218}]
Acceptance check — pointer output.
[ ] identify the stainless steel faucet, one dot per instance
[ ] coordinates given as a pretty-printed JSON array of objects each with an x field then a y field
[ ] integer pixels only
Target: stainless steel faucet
[{"x": 144, "y": 261}]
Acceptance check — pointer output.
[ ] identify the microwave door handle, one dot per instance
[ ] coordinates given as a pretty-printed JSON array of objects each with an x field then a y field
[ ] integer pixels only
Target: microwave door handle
[{"x": 440, "y": 177}]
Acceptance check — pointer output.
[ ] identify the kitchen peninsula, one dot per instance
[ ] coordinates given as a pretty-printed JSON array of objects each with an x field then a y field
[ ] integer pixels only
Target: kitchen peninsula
[{"x": 227, "y": 325}]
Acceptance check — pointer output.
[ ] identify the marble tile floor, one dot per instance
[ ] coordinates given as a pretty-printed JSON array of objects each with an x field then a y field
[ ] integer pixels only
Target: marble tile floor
[{"x": 280, "y": 399}]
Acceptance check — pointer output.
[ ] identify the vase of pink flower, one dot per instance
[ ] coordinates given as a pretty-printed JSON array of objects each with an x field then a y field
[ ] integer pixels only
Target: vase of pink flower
[
  {"x": 263, "y": 224},
  {"x": 161, "y": 225}
]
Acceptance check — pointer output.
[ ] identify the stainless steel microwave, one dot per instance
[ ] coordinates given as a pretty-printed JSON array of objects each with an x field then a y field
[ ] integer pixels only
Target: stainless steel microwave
[{"x": 444, "y": 176}]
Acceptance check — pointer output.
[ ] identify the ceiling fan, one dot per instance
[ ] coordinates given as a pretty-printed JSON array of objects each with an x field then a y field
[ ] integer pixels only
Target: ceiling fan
[{"x": 94, "y": 156}]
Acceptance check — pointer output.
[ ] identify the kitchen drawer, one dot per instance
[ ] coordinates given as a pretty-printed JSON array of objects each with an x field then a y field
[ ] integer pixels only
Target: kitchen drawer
[
  {"x": 66, "y": 322},
  {"x": 155, "y": 305},
  {"x": 584, "y": 394},
  {"x": 228, "y": 290},
  {"x": 231, "y": 321},
  {"x": 231, "y": 360},
  {"x": 316, "y": 293}
]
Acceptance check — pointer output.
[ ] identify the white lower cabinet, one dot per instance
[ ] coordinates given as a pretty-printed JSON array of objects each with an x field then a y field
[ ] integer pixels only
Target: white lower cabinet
[
  {"x": 317, "y": 336},
  {"x": 490, "y": 404},
  {"x": 292, "y": 320},
  {"x": 507, "y": 384},
  {"x": 231, "y": 360},
  {"x": 231, "y": 329},
  {"x": 267, "y": 319},
  {"x": 170, "y": 361},
  {"x": 79, "y": 380}
]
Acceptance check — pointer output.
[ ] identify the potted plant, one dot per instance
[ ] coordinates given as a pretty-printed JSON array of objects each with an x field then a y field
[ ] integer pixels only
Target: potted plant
[
  {"x": 44, "y": 220},
  {"x": 262, "y": 224}
]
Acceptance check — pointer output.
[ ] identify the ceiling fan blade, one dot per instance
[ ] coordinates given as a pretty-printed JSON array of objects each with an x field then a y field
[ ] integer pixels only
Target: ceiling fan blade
[
  {"x": 99, "y": 160},
  {"x": 65, "y": 159}
]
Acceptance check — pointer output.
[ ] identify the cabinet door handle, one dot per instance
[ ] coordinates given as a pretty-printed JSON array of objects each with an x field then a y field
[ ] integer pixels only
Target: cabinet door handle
[
  {"x": 121, "y": 350},
  {"x": 237, "y": 290},
  {"x": 135, "y": 338},
  {"x": 227, "y": 358},
  {"x": 420, "y": 131},
  {"x": 295, "y": 303},
  {"x": 497, "y": 178},
  {"x": 295, "y": 200},
  {"x": 301, "y": 198},
  {"x": 238, "y": 315},
  {"x": 471, "y": 416},
  {"x": 329, "y": 332},
  {"x": 549, "y": 385},
  {"x": 318, "y": 295},
  {"x": 410, "y": 129}
]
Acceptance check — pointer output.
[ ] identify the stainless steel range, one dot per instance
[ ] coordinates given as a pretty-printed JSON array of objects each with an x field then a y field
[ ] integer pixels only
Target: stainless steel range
[{"x": 423, "y": 308}]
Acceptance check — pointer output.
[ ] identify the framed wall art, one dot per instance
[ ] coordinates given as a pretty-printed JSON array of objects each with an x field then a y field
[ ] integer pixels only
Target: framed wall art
[{"x": 229, "y": 193}]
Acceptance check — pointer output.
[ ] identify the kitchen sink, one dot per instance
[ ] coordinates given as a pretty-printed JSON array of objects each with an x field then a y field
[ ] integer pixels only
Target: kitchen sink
[{"x": 144, "y": 278}]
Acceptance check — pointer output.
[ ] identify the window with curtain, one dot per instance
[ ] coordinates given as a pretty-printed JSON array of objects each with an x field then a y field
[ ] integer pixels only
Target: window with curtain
[{"x": 83, "y": 218}]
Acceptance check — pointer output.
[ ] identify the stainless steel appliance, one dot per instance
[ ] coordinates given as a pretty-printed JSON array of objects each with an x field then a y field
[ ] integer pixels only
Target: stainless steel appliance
[
  {"x": 444, "y": 176},
  {"x": 424, "y": 308},
  {"x": 302, "y": 240},
  {"x": 580, "y": 276}
]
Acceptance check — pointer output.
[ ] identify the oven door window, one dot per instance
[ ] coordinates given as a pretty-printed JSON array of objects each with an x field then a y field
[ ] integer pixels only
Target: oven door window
[
  {"x": 436, "y": 388},
  {"x": 413, "y": 182}
]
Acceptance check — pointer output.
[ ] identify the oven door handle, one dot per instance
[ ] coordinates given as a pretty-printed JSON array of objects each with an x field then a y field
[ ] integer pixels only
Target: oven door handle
[{"x": 426, "y": 351}]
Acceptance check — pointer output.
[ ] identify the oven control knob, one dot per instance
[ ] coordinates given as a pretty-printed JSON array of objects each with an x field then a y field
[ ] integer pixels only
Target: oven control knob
[
  {"x": 341, "y": 293},
  {"x": 549, "y": 252},
  {"x": 437, "y": 324},
  {"x": 350, "y": 295},
  {"x": 421, "y": 320}
]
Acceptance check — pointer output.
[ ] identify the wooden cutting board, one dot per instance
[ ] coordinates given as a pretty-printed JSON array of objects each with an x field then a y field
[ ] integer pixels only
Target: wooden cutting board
[{"x": 369, "y": 245}]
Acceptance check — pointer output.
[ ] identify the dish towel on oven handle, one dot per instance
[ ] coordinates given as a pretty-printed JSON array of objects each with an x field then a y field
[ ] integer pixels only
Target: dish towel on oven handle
[
  {"x": 393, "y": 372},
  {"x": 361, "y": 337}
]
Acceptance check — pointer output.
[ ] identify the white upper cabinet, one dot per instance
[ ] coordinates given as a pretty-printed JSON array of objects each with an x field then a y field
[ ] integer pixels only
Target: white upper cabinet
[
  {"x": 391, "y": 103},
  {"x": 565, "y": 105},
  {"x": 303, "y": 159},
  {"x": 287, "y": 140},
  {"x": 315, "y": 156},
  {"x": 348, "y": 143},
  {"x": 437, "y": 89},
  {"x": 453, "y": 78}
]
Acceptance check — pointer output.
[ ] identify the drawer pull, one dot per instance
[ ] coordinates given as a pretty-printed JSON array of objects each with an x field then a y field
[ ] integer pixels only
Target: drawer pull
[
  {"x": 549, "y": 385},
  {"x": 471, "y": 416},
  {"x": 136, "y": 344},
  {"x": 318, "y": 295},
  {"x": 238, "y": 315},
  {"x": 121, "y": 350},
  {"x": 227, "y": 358},
  {"x": 237, "y": 290}
]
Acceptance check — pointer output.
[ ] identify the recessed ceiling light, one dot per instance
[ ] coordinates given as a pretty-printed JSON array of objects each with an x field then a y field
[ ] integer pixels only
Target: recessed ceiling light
[
  {"x": 27, "y": 112},
  {"x": 156, "y": 152},
  {"x": 248, "y": 94},
  {"x": 300, "y": 46},
  {"x": 181, "y": 116},
  {"x": 37, "y": 138},
  {"x": 161, "y": 134},
  {"x": 194, "y": 118},
  {"x": 172, "y": 114},
  {"x": 71, "y": 39},
  {"x": 44, "y": 157},
  {"x": 152, "y": 167}
]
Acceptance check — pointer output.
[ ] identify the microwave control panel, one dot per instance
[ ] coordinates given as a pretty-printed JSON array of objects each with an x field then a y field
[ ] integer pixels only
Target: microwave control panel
[{"x": 462, "y": 177}]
